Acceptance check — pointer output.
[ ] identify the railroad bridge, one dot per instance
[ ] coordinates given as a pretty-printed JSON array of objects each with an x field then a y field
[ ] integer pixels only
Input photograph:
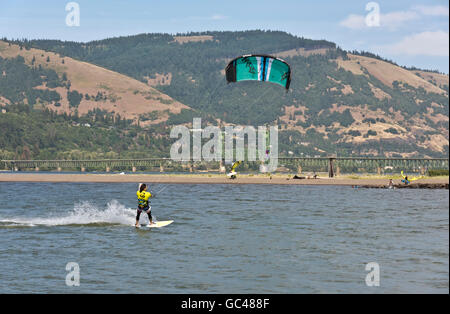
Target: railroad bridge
[{"x": 332, "y": 165}]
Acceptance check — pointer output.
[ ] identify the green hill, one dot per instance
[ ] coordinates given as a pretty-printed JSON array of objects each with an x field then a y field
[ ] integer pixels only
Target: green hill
[
  {"x": 62, "y": 108},
  {"x": 339, "y": 102}
]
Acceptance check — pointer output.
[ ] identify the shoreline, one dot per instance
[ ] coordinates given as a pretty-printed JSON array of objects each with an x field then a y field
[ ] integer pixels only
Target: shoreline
[{"x": 277, "y": 179}]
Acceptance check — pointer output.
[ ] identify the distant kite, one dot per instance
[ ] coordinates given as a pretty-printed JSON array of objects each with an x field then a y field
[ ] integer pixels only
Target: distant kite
[
  {"x": 259, "y": 68},
  {"x": 232, "y": 174}
]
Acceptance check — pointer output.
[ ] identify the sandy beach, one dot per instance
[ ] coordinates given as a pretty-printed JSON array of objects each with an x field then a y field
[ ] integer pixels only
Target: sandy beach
[{"x": 208, "y": 179}]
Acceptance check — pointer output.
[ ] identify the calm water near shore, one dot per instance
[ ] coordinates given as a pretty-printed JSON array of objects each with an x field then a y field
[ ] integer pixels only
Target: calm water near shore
[{"x": 225, "y": 239}]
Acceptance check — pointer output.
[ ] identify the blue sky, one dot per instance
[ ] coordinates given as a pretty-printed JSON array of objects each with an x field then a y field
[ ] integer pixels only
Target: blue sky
[{"x": 409, "y": 32}]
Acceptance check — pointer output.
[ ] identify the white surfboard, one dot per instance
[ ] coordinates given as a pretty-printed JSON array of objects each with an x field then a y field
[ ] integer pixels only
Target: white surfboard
[{"x": 157, "y": 224}]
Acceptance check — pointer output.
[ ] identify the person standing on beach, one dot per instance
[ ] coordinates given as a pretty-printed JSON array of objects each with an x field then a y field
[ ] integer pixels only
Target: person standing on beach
[
  {"x": 143, "y": 203},
  {"x": 391, "y": 184}
]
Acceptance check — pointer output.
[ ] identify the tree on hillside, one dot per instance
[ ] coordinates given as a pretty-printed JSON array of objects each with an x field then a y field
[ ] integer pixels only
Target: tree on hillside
[{"x": 74, "y": 98}]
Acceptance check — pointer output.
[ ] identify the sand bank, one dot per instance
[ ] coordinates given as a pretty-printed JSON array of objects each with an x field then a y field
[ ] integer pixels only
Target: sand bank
[{"x": 438, "y": 182}]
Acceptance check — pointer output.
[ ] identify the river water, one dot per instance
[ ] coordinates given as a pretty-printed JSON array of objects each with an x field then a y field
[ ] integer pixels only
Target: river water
[{"x": 224, "y": 239}]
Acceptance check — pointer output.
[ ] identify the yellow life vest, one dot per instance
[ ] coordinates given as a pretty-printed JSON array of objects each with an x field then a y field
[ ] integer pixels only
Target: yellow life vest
[{"x": 143, "y": 198}]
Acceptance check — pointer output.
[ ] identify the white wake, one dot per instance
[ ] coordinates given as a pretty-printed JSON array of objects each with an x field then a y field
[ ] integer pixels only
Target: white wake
[{"x": 82, "y": 214}]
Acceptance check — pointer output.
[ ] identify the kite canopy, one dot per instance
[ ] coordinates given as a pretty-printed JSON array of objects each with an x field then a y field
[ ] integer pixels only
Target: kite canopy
[
  {"x": 235, "y": 165},
  {"x": 259, "y": 68}
]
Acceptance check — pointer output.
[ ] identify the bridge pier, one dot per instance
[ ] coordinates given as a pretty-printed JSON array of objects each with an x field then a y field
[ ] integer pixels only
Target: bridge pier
[
  {"x": 330, "y": 167},
  {"x": 133, "y": 169},
  {"x": 299, "y": 169},
  {"x": 108, "y": 169},
  {"x": 161, "y": 168},
  {"x": 83, "y": 169}
]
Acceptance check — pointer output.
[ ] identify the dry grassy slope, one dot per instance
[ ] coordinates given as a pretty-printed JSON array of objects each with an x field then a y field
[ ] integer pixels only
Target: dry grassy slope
[
  {"x": 126, "y": 96},
  {"x": 188, "y": 39},
  {"x": 387, "y": 73},
  {"x": 393, "y": 119},
  {"x": 437, "y": 79},
  {"x": 418, "y": 126},
  {"x": 300, "y": 52}
]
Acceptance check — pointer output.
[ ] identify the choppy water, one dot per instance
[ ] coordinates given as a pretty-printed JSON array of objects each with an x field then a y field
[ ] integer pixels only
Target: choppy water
[{"x": 225, "y": 239}]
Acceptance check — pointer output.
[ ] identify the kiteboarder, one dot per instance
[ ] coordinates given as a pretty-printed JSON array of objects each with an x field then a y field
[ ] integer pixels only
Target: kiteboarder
[
  {"x": 232, "y": 174},
  {"x": 143, "y": 203},
  {"x": 405, "y": 180}
]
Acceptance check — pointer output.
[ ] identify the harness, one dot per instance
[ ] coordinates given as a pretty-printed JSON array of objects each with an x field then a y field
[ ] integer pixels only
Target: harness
[{"x": 142, "y": 203}]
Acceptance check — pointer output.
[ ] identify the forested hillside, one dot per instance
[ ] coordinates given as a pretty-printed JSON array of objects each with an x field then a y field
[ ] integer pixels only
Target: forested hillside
[
  {"x": 58, "y": 107},
  {"x": 75, "y": 86},
  {"x": 338, "y": 102}
]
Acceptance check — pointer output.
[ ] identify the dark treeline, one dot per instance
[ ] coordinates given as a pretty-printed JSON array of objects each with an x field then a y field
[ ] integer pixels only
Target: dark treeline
[
  {"x": 44, "y": 134},
  {"x": 18, "y": 82}
]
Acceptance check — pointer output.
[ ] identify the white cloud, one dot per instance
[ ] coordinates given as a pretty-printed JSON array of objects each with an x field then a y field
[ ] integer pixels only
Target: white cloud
[
  {"x": 393, "y": 20},
  {"x": 217, "y": 17},
  {"x": 390, "y": 20},
  {"x": 354, "y": 21},
  {"x": 436, "y": 10},
  {"x": 214, "y": 17},
  {"x": 425, "y": 44}
]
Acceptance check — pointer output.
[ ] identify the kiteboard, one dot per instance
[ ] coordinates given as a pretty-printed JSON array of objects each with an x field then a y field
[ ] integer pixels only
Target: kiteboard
[{"x": 157, "y": 224}]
